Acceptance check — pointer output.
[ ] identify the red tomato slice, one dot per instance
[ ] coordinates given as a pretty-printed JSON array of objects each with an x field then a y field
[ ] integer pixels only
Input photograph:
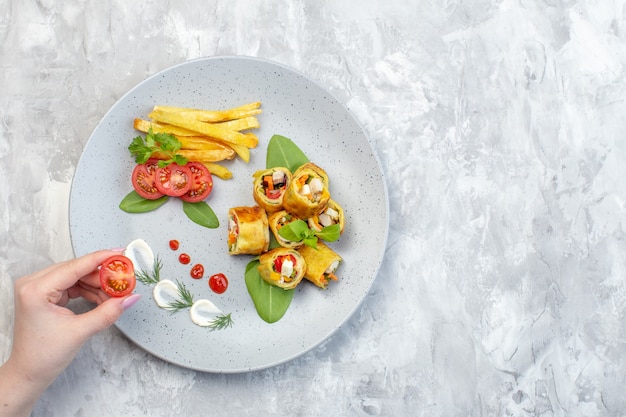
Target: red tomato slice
[
  {"x": 173, "y": 180},
  {"x": 144, "y": 176},
  {"x": 117, "y": 276},
  {"x": 201, "y": 183},
  {"x": 278, "y": 262}
]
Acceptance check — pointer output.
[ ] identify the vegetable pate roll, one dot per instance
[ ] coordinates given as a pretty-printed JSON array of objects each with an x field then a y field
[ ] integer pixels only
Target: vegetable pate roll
[
  {"x": 282, "y": 267},
  {"x": 248, "y": 231},
  {"x": 308, "y": 193},
  {"x": 278, "y": 220},
  {"x": 331, "y": 214},
  {"x": 321, "y": 264},
  {"x": 269, "y": 188}
]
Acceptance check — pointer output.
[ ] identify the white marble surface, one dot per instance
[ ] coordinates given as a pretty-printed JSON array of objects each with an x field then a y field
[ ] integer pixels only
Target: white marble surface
[{"x": 500, "y": 128}]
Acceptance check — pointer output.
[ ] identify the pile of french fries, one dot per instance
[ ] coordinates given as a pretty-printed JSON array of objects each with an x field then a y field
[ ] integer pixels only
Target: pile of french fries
[{"x": 207, "y": 136}]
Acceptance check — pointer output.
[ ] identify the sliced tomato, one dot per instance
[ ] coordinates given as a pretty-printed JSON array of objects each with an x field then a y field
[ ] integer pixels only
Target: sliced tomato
[
  {"x": 201, "y": 183},
  {"x": 278, "y": 262},
  {"x": 144, "y": 180},
  {"x": 117, "y": 276},
  {"x": 173, "y": 180}
]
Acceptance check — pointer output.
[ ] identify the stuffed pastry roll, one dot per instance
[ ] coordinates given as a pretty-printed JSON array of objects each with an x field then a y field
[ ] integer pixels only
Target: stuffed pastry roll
[
  {"x": 331, "y": 214},
  {"x": 278, "y": 220},
  {"x": 308, "y": 193},
  {"x": 282, "y": 267},
  {"x": 321, "y": 264},
  {"x": 248, "y": 231},
  {"x": 269, "y": 188}
]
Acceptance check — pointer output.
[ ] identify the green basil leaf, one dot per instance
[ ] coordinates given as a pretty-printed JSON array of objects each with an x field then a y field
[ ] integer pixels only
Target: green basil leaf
[
  {"x": 134, "y": 203},
  {"x": 311, "y": 241},
  {"x": 201, "y": 213},
  {"x": 329, "y": 233},
  {"x": 287, "y": 232},
  {"x": 180, "y": 160},
  {"x": 271, "y": 302},
  {"x": 282, "y": 152}
]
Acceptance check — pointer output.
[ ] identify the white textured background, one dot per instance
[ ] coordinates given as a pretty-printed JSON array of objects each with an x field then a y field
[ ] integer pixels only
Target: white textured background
[{"x": 500, "y": 126}]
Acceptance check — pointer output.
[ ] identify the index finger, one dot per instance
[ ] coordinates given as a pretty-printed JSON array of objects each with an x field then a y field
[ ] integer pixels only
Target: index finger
[{"x": 68, "y": 273}]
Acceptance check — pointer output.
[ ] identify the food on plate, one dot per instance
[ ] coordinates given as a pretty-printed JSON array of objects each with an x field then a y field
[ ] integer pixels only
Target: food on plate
[
  {"x": 205, "y": 136},
  {"x": 144, "y": 179},
  {"x": 321, "y": 264},
  {"x": 204, "y": 313},
  {"x": 173, "y": 180},
  {"x": 277, "y": 221},
  {"x": 282, "y": 267},
  {"x": 201, "y": 183},
  {"x": 330, "y": 215},
  {"x": 248, "y": 231},
  {"x": 117, "y": 276},
  {"x": 218, "y": 283},
  {"x": 308, "y": 193},
  {"x": 165, "y": 293},
  {"x": 269, "y": 187},
  {"x": 140, "y": 254},
  {"x": 211, "y": 130},
  {"x": 213, "y": 116}
]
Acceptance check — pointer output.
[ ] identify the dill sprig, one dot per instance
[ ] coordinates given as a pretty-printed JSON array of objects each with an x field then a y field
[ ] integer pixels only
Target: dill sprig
[
  {"x": 152, "y": 277},
  {"x": 221, "y": 322},
  {"x": 185, "y": 300}
]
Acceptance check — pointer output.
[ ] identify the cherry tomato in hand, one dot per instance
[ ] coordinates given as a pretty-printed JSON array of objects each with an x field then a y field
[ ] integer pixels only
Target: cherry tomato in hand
[
  {"x": 144, "y": 180},
  {"x": 201, "y": 183},
  {"x": 117, "y": 276},
  {"x": 173, "y": 180}
]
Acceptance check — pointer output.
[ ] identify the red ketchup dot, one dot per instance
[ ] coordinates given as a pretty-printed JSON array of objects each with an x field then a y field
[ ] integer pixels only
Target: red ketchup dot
[
  {"x": 184, "y": 258},
  {"x": 197, "y": 271},
  {"x": 174, "y": 244},
  {"x": 218, "y": 283}
]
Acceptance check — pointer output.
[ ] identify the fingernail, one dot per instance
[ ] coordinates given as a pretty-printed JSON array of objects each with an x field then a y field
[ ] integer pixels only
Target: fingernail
[
  {"x": 118, "y": 249},
  {"x": 130, "y": 301}
]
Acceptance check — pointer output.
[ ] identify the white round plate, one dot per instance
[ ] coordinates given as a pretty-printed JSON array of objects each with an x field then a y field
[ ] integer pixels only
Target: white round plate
[{"x": 293, "y": 106}]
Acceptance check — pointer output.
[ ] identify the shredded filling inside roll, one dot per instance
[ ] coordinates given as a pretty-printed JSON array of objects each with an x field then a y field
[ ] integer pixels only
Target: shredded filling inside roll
[
  {"x": 274, "y": 184},
  {"x": 311, "y": 187},
  {"x": 233, "y": 232}
]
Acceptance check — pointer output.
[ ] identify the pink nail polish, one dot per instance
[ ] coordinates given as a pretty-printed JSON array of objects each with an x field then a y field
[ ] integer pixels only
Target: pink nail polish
[
  {"x": 118, "y": 249},
  {"x": 130, "y": 301}
]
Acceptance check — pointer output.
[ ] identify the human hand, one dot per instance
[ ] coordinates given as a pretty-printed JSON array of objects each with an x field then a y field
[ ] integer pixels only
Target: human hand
[{"x": 47, "y": 335}]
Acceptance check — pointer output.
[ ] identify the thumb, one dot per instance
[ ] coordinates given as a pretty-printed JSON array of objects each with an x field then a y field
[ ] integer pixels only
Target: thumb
[{"x": 105, "y": 314}]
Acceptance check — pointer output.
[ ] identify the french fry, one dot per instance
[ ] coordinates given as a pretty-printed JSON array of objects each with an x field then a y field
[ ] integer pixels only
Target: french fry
[
  {"x": 206, "y": 136},
  {"x": 213, "y": 116},
  {"x": 218, "y": 170},
  {"x": 205, "y": 143},
  {"x": 245, "y": 123},
  {"x": 145, "y": 125},
  {"x": 242, "y": 151},
  {"x": 208, "y": 155},
  {"x": 248, "y": 140}
]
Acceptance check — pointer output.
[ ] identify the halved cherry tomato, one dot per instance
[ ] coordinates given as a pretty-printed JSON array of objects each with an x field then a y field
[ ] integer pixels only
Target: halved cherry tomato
[
  {"x": 173, "y": 180},
  {"x": 201, "y": 183},
  {"x": 117, "y": 276},
  {"x": 144, "y": 180}
]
